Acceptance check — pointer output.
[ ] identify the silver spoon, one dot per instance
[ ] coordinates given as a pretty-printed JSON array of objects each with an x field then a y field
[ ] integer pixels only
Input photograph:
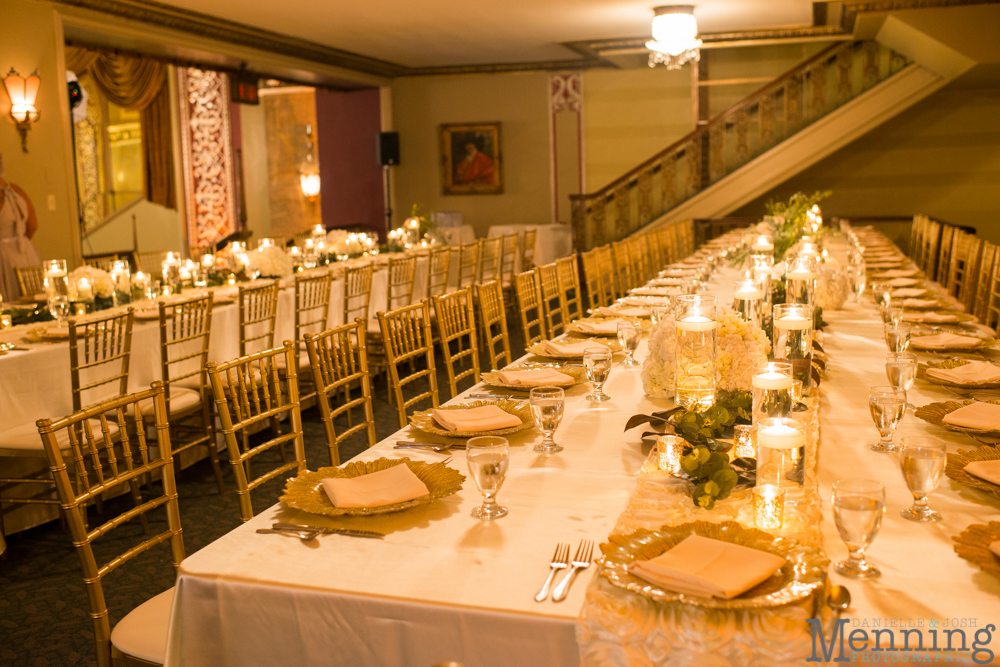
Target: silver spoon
[
  {"x": 304, "y": 535},
  {"x": 838, "y": 598},
  {"x": 422, "y": 445}
]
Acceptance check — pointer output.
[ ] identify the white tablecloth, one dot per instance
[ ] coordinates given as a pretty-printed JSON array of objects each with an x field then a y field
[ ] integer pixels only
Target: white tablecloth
[
  {"x": 457, "y": 235},
  {"x": 551, "y": 242}
]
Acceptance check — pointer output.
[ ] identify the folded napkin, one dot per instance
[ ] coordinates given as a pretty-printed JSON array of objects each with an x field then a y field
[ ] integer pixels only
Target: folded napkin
[
  {"x": 981, "y": 416},
  {"x": 570, "y": 349},
  {"x": 476, "y": 420},
  {"x": 607, "y": 327},
  {"x": 535, "y": 377},
  {"x": 909, "y": 291},
  {"x": 385, "y": 487},
  {"x": 943, "y": 341},
  {"x": 929, "y": 316},
  {"x": 898, "y": 273},
  {"x": 919, "y": 303},
  {"x": 652, "y": 290},
  {"x": 668, "y": 281},
  {"x": 987, "y": 470},
  {"x": 623, "y": 312},
  {"x": 971, "y": 373},
  {"x": 883, "y": 264},
  {"x": 57, "y": 332},
  {"x": 708, "y": 568},
  {"x": 903, "y": 282},
  {"x": 647, "y": 300}
]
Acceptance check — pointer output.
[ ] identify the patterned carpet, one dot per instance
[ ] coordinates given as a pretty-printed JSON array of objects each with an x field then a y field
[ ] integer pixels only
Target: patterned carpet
[{"x": 44, "y": 618}]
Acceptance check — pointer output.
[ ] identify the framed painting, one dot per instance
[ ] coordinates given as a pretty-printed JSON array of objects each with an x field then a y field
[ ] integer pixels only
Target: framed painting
[{"x": 470, "y": 159}]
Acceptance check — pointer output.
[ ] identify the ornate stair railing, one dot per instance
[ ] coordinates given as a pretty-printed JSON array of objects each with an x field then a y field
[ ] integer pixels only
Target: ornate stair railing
[{"x": 763, "y": 120}]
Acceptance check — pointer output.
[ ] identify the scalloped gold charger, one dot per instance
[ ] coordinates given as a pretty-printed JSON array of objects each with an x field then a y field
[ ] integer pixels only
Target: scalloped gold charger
[
  {"x": 797, "y": 579},
  {"x": 579, "y": 375},
  {"x": 973, "y": 544},
  {"x": 983, "y": 344},
  {"x": 539, "y": 349},
  {"x": 424, "y": 420},
  {"x": 305, "y": 492},
  {"x": 934, "y": 413},
  {"x": 948, "y": 364},
  {"x": 955, "y": 467}
]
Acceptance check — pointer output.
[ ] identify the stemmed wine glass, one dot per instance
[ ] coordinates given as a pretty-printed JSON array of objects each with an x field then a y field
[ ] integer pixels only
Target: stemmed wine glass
[
  {"x": 897, "y": 336},
  {"x": 597, "y": 361},
  {"x": 488, "y": 458},
  {"x": 890, "y": 314},
  {"x": 857, "y": 276},
  {"x": 858, "y": 506},
  {"x": 901, "y": 369},
  {"x": 629, "y": 334},
  {"x": 922, "y": 461},
  {"x": 657, "y": 313},
  {"x": 547, "y": 405},
  {"x": 887, "y": 405},
  {"x": 881, "y": 291}
]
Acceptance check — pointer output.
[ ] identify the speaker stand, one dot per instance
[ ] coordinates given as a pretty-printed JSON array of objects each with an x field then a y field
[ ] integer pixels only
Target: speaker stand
[{"x": 388, "y": 204}]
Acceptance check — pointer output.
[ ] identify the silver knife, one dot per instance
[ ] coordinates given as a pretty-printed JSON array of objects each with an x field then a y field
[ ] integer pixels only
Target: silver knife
[{"x": 352, "y": 532}]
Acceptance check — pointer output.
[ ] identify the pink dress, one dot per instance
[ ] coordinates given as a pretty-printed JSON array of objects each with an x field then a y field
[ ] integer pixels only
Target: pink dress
[{"x": 15, "y": 247}]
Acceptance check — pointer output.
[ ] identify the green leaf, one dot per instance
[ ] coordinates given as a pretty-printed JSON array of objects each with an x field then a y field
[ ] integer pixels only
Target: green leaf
[{"x": 712, "y": 488}]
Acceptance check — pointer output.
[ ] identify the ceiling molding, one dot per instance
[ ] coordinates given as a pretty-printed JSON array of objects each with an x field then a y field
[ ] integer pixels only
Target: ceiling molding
[
  {"x": 501, "y": 68},
  {"x": 859, "y": 6}
]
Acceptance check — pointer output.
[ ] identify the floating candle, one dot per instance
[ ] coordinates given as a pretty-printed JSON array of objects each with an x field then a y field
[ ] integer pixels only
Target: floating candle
[
  {"x": 780, "y": 436},
  {"x": 800, "y": 274},
  {"x": 772, "y": 380},
  {"x": 793, "y": 322},
  {"x": 696, "y": 323}
]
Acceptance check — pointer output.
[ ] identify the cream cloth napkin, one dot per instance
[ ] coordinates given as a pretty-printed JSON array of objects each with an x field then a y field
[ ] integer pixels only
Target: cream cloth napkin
[
  {"x": 57, "y": 331},
  {"x": 535, "y": 377},
  {"x": 930, "y": 316},
  {"x": 903, "y": 282},
  {"x": 982, "y": 416},
  {"x": 977, "y": 371},
  {"x": 987, "y": 470},
  {"x": 476, "y": 420},
  {"x": 943, "y": 341},
  {"x": 919, "y": 303},
  {"x": 606, "y": 327},
  {"x": 647, "y": 300},
  {"x": 571, "y": 349},
  {"x": 897, "y": 273},
  {"x": 385, "y": 487},
  {"x": 909, "y": 291},
  {"x": 655, "y": 291},
  {"x": 995, "y": 548},
  {"x": 706, "y": 567},
  {"x": 623, "y": 312},
  {"x": 883, "y": 265},
  {"x": 668, "y": 281}
]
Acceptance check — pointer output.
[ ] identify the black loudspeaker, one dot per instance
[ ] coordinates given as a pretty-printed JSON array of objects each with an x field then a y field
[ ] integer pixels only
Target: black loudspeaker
[{"x": 387, "y": 148}]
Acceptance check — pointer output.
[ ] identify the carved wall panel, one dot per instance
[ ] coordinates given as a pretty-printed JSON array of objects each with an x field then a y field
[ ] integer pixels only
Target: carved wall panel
[{"x": 89, "y": 162}]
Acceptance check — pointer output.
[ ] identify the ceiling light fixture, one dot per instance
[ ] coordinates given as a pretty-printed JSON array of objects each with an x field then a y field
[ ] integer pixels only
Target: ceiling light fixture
[{"x": 675, "y": 37}]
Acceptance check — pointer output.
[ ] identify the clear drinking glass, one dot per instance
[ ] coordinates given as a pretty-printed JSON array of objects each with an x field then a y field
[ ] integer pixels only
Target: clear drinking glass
[
  {"x": 857, "y": 277},
  {"x": 887, "y": 405},
  {"x": 922, "y": 461},
  {"x": 547, "y": 405},
  {"x": 488, "y": 458},
  {"x": 858, "y": 507},
  {"x": 597, "y": 361},
  {"x": 657, "y": 313},
  {"x": 59, "y": 308},
  {"x": 901, "y": 369},
  {"x": 629, "y": 334},
  {"x": 56, "y": 279},
  {"x": 890, "y": 314},
  {"x": 897, "y": 336},
  {"x": 881, "y": 291}
]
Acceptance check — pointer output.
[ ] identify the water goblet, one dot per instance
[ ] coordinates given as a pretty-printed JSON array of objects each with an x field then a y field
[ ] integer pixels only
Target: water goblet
[
  {"x": 922, "y": 460},
  {"x": 547, "y": 405},
  {"x": 881, "y": 291},
  {"x": 857, "y": 276},
  {"x": 891, "y": 314},
  {"x": 58, "y": 306},
  {"x": 887, "y": 405},
  {"x": 597, "y": 361},
  {"x": 488, "y": 458},
  {"x": 901, "y": 369},
  {"x": 897, "y": 336},
  {"x": 629, "y": 334},
  {"x": 858, "y": 507},
  {"x": 657, "y": 313}
]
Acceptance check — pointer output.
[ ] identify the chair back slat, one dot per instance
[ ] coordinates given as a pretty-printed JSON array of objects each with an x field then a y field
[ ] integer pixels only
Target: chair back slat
[
  {"x": 357, "y": 292},
  {"x": 30, "y": 280},
  {"x": 569, "y": 283},
  {"x": 553, "y": 300},
  {"x": 438, "y": 266},
  {"x": 624, "y": 277},
  {"x": 493, "y": 323},
  {"x": 984, "y": 277},
  {"x": 468, "y": 264},
  {"x": 150, "y": 262},
  {"x": 406, "y": 334},
  {"x": 489, "y": 259},
  {"x": 457, "y": 329},
  {"x": 528, "y": 249},
  {"x": 529, "y": 306},
  {"x": 258, "y": 310},
  {"x": 508, "y": 259},
  {"x": 185, "y": 332},
  {"x": 948, "y": 237},
  {"x": 402, "y": 272},
  {"x": 99, "y": 354}
]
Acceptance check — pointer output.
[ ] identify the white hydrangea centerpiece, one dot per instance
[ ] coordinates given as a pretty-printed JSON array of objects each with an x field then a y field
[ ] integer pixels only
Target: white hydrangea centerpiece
[
  {"x": 270, "y": 262},
  {"x": 658, "y": 366},
  {"x": 100, "y": 281},
  {"x": 742, "y": 346}
]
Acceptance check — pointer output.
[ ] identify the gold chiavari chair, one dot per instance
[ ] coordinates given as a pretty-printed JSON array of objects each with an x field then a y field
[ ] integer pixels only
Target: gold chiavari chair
[
  {"x": 528, "y": 249},
  {"x": 407, "y": 335},
  {"x": 339, "y": 361},
  {"x": 943, "y": 264},
  {"x": 569, "y": 283},
  {"x": 553, "y": 300},
  {"x": 312, "y": 312},
  {"x": 974, "y": 266},
  {"x": 529, "y": 306},
  {"x": 30, "y": 280},
  {"x": 992, "y": 312},
  {"x": 685, "y": 238},
  {"x": 670, "y": 242},
  {"x": 438, "y": 265},
  {"x": 493, "y": 318},
  {"x": 185, "y": 333},
  {"x": 606, "y": 269},
  {"x": 399, "y": 293},
  {"x": 456, "y": 326},
  {"x": 508, "y": 260},
  {"x": 637, "y": 260},
  {"x": 984, "y": 277},
  {"x": 357, "y": 292},
  {"x": 150, "y": 262},
  {"x": 489, "y": 260},
  {"x": 248, "y": 393},
  {"x": 468, "y": 263},
  {"x": 655, "y": 252},
  {"x": 592, "y": 278},
  {"x": 929, "y": 252},
  {"x": 962, "y": 265},
  {"x": 917, "y": 231},
  {"x": 258, "y": 310},
  {"x": 104, "y": 262},
  {"x": 624, "y": 280},
  {"x": 114, "y": 457}
]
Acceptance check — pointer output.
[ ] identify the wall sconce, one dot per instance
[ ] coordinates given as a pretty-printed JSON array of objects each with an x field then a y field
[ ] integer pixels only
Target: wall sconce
[
  {"x": 22, "y": 93},
  {"x": 309, "y": 172}
]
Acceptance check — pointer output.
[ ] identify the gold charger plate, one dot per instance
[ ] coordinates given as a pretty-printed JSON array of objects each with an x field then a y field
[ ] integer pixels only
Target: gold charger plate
[
  {"x": 538, "y": 349},
  {"x": 983, "y": 344},
  {"x": 948, "y": 364},
  {"x": 798, "y": 578},
  {"x": 934, "y": 413},
  {"x": 955, "y": 467},
  {"x": 973, "y": 544},
  {"x": 492, "y": 378},
  {"x": 574, "y": 326},
  {"x": 424, "y": 420},
  {"x": 960, "y": 317},
  {"x": 304, "y": 492},
  {"x": 937, "y": 305}
]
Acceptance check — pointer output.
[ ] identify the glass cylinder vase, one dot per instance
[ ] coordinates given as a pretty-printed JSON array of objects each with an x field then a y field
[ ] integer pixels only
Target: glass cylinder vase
[
  {"x": 781, "y": 455},
  {"x": 748, "y": 300},
  {"x": 800, "y": 280},
  {"x": 772, "y": 391},
  {"x": 791, "y": 336},
  {"x": 696, "y": 324},
  {"x": 761, "y": 268}
]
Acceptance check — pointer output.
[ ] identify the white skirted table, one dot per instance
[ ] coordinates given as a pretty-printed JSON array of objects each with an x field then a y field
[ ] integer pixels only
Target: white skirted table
[{"x": 551, "y": 242}]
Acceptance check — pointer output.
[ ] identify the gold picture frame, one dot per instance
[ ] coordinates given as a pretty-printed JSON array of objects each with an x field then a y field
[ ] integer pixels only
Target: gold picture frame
[{"x": 471, "y": 159}]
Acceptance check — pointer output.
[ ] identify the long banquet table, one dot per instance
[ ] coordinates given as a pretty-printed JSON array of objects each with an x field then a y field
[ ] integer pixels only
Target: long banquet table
[{"x": 443, "y": 586}]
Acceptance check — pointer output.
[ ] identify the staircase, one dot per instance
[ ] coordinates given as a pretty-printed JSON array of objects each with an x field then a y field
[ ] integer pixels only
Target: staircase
[{"x": 791, "y": 123}]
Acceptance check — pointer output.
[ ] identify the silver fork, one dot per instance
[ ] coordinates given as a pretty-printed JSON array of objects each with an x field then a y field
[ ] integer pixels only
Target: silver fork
[
  {"x": 581, "y": 561},
  {"x": 559, "y": 562}
]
